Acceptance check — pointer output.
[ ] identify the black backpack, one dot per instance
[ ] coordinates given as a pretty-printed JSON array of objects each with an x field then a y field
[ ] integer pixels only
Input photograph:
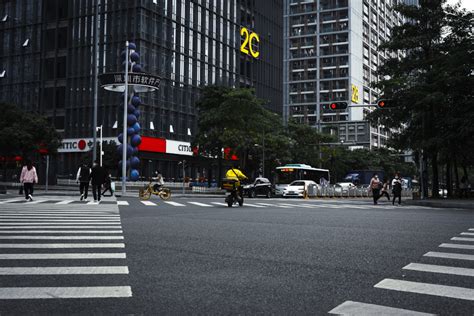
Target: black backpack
[{"x": 84, "y": 175}]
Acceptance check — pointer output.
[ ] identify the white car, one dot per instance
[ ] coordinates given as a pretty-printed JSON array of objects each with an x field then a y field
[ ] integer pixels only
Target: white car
[
  {"x": 343, "y": 187},
  {"x": 296, "y": 188}
]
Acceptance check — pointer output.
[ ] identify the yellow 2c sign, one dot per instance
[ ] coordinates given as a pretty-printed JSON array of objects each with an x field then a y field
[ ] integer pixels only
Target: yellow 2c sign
[
  {"x": 246, "y": 46},
  {"x": 355, "y": 94}
]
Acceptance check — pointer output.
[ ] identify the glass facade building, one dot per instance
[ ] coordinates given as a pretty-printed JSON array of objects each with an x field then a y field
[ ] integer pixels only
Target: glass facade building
[
  {"x": 47, "y": 53},
  {"x": 331, "y": 54}
]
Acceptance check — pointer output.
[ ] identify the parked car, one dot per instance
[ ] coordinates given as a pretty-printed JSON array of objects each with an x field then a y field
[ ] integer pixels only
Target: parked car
[
  {"x": 261, "y": 186},
  {"x": 343, "y": 187},
  {"x": 296, "y": 188}
]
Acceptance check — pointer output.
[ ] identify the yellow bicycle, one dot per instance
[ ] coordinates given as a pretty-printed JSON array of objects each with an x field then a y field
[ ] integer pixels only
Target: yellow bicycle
[{"x": 146, "y": 192}]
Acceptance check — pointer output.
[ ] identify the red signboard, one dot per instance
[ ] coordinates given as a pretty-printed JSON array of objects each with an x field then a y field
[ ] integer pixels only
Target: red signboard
[{"x": 153, "y": 144}]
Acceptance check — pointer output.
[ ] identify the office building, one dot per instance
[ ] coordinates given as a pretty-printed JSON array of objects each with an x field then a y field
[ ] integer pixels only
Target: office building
[{"x": 47, "y": 53}]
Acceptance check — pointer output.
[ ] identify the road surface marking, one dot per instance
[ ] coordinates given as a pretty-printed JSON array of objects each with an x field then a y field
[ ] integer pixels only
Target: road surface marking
[
  {"x": 62, "y": 231},
  {"x": 68, "y": 223},
  {"x": 63, "y": 270},
  {"x": 62, "y": 226},
  {"x": 64, "y": 292},
  {"x": 467, "y": 234},
  {"x": 11, "y": 201},
  {"x": 462, "y": 239},
  {"x": 55, "y": 256},
  {"x": 68, "y": 245},
  {"x": 200, "y": 204},
  {"x": 64, "y": 202},
  {"x": 220, "y": 203},
  {"x": 471, "y": 229},
  {"x": 71, "y": 220},
  {"x": 60, "y": 217},
  {"x": 174, "y": 203},
  {"x": 148, "y": 203},
  {"x": 251, "y": 205},
  {"x": 37, "y": 201},
  {"x": 457, "y": 246},
  {"x": 427, "y": 288},
  {"x": 93, "y": 203},
  {"x": 449, "y": 255},
  {"x": 297, "y": 205},
  {"x": 362, "y": 309},
  {"x": 122, "y": 203},
  {"x": 272, "y": 205},
  {"x": 439, "y": 269},
  {"x": 62, "y": 237}
]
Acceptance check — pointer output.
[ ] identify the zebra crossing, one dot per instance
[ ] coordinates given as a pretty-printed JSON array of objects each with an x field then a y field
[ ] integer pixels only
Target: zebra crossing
[
  {"x": 62, "y": 250},
  {"x": 454, "y": 265}
]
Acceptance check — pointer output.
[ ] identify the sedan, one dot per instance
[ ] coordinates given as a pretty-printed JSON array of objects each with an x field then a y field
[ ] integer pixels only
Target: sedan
[{"x": 297, "y": 188}]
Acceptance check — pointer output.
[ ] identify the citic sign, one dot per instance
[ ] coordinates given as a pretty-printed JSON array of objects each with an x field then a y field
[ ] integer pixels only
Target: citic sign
[{"x": 74, "y": 145}]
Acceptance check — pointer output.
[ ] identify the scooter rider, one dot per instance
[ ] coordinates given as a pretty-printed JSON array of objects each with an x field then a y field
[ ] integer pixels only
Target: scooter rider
[{"x": 236, "y": 174}]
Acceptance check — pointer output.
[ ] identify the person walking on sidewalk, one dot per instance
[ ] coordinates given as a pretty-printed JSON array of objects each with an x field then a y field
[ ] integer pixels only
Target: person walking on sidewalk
[
  {"x": 375, "y": 187},
  {"x": 397, "y": 189},
  {"x": 97, "y": 177},
  {"x": 83, "y": 174},
  {"x": 28, "y": 177},
  {"x": 384, "y": 191},
  {"x": 108, "y": 184}
]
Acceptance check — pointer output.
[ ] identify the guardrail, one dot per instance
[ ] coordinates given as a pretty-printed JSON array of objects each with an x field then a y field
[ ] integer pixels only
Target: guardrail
[{"x": 338, "y": 192}]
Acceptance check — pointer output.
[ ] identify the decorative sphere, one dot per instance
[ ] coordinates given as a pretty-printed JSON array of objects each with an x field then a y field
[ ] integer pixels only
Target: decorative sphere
[
  {"x": 136, "y": 101},
  {"x": 134, "y": 162},
  {"x": 131, "y": 119},
  {"x": 130, "y": 109},
  {"x": 127, "y": 165},
  {"x": 129, "y": 150},
  {"x": 132, "y": 46},
  {"x": 135, "y": 57},
  {"x": 137, "y": 128},
  {"x": 137, "y": 68},
  {"x": 136, "y": 113},
  {"x": 130, "y": 131},
  {"x": 134, "y": 175},
  {"x": 136, "y": 140},
  {"x": 120, "y": 138}
]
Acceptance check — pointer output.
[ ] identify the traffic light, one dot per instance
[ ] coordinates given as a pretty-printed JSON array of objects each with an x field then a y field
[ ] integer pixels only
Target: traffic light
[
  {"x": 336, "y": 106},
  {"x": 385, "y": 104}
]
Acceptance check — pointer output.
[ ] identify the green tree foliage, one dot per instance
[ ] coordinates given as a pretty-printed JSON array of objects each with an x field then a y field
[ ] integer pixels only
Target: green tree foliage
[
  {"x": 24, "y": 133},
  {"x": 431, "y": 83}
]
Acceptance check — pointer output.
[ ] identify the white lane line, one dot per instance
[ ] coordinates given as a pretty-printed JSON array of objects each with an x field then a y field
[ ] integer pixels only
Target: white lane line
[
  {"x": 55, "y": 256},
  {"x": 471, "y": 229},
  {"x": 467, "y": 234},
  {"x": 32, "y": 217},
  {"x": 251, "y": 205},
  {"x": 174, "y": 203},
  {"x": 64, "y": 292},
  {"x": 200, "y": 204},
  {"x": 62, "y": 231},
  {"x": 65, "y": 202},
  {"x": 122, "y": 203},
  {"x": 148, "y": 203},
  {"x": 456, "y": 246},
  {"x": 68, "y": 245},
  {"x": 62, "y": 226},
  {"x": 439, "y": 269},
  {"x": 67, "y": 223},
  {"x": 363, "y": 309},
  {"x": 462, "y": 239},
  {"x": 62, "y": 237},
  {"x": 70, "y": 220},
  {"x": 427, "y": 288},
  {"x": 449, "y": 255},
  {"x": 219, "y": 203},
  {"x": 63, "y": 270}
]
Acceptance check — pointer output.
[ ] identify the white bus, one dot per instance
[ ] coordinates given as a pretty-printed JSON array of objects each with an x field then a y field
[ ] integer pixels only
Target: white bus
[{"x": 291, "y": 172}]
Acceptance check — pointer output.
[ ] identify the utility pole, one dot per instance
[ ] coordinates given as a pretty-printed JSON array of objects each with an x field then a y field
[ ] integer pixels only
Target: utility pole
[
  {"x": 124, "y": 133},
  {"x": 94, "y": 88}
]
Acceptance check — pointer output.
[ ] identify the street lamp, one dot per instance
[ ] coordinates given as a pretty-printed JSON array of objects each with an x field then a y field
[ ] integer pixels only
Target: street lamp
[{"x": 100, "y": 128}]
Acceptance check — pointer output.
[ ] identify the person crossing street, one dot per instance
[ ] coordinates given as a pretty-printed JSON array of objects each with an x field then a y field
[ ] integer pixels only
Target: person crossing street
[
  {"x": 97, "y": 178},
  {"x": 83, "y": 177}
]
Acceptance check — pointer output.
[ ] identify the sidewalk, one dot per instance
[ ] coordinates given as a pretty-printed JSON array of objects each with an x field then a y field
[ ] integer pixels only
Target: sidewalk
[{"x": 443, "y": 203}]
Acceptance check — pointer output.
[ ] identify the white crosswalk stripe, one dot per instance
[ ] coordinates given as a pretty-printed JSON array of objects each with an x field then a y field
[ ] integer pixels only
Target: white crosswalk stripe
[
  {"x": 174, "y": 203},
  {"x": 439, "y": 269},
  {"x": 462, "y": 239},
  {"x": 220, "y": 203},
  {"x": 200, "y": 204},
  {"x": 456, "y": 246},
  {"x": 467, "y": 234},
  {"x": 363, "y": 309},
  {"x": 148, "y": 203},
  {"x": 77, "y": 234},
  {"x": 446, "y": 255}
]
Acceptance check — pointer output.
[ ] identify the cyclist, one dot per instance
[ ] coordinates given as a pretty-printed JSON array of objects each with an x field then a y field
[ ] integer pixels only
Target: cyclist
[{"x": 159, "y": 181}]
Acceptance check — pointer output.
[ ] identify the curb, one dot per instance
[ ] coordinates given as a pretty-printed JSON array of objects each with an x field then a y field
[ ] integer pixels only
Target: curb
[{"x": 469, "y": 205}]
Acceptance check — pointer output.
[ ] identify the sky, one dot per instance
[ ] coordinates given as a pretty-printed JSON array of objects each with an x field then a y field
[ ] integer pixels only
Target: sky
[{"x": 468, "y": 4}]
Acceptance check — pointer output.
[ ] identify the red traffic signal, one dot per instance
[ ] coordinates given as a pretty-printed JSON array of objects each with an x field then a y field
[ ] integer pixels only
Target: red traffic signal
[
  {"x": 337, "y": 106},
  {"x": 385, "y": 103}
]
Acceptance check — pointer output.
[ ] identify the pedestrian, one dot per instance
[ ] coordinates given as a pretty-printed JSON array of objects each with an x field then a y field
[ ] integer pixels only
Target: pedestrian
[
  {"x": 28, "y": 177},
  {"x": 464, "y": 187},
  {"x": 375, "y": 187},
  {"x": 82, "y": 177},
  {"x": 97, "y": 178},
  {"x": 108, "y": 185},
  {"x": 397, "y": 189},
  {"x": 384, "y": 191}
]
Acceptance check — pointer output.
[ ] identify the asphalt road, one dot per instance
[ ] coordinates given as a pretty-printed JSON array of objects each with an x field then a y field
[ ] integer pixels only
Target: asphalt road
[{"x": 277, "y": 256}]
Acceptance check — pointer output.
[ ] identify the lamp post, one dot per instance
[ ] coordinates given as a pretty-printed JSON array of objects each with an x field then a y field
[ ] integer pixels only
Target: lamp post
[
  {"x": 124, "y": 132},
  {"x": 101, "y": 143},
  {"x": 95, "y": 84}
]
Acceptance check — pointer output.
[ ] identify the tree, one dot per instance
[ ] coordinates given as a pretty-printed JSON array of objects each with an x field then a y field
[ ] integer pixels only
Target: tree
[
  {"x": 417, "y": 82},
  {"x": 25, "y": 133}
]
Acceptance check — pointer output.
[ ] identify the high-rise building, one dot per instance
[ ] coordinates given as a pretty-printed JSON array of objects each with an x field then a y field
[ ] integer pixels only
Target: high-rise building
[
  {"x": 331, "y": 54},
  {"x": 47, "y": 53}
]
